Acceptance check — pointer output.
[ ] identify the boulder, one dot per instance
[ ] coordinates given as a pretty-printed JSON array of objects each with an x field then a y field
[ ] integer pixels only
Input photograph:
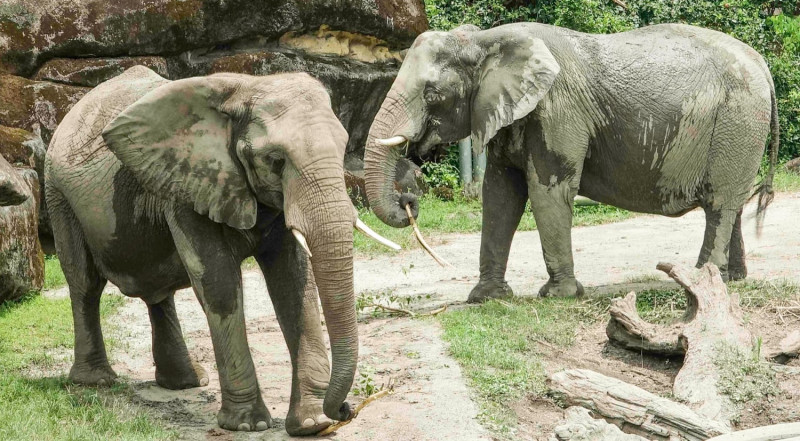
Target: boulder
[
  {"x": 36, "y": 106},
  {"x": 35, "y": 31},
  {"x": 13, "y": 189},
  {"x": 21, "y": 257},
  {"x": 90, "y": 72}
]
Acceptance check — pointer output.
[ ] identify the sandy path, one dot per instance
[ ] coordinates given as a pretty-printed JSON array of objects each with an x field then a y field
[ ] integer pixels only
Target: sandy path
[{"x": 432, "y": 400}]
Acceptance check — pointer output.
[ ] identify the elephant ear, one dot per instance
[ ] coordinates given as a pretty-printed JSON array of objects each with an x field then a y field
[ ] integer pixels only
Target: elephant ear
[
  {"x": 516, "y": 73},
  {"x": 176, "y": 142}
]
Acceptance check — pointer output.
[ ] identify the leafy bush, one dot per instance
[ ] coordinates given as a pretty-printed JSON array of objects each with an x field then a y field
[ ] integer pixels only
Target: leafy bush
[{"x": 777, "y": 37}]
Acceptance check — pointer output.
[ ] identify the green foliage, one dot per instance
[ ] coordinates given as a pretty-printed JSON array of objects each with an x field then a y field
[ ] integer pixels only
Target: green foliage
[
  {"x": 743, "y": 377},
  {"x": 440, "y": 174},
  {"x": 53, "y": 275},
  {"x": 777, "y": 37}
]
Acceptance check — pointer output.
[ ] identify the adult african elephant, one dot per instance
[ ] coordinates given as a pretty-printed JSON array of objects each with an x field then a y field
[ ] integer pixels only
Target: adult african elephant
[
  {"x": 158, "y": 185},
  {"x": 661, "y": 119}
]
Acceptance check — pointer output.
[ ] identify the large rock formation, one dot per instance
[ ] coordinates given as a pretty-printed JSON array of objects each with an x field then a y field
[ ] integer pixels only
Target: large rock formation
[
  {"x": 53, "y": 51},
  {"x": 21, "y": 258}
]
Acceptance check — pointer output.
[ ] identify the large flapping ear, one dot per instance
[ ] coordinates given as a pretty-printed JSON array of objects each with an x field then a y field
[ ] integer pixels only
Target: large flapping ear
[
  {"x": 515, "y": 75},
  {"x": 176, "y": 141}
]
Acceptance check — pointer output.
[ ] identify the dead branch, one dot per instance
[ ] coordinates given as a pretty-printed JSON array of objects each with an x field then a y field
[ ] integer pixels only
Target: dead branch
[
  {"x": 632, "y": 407},
  {"x": 786, "y": 431},
  {"x": 334, "y": 427},
  {"x": 410, "y": 313},
  {"x": 421, "y": 240}
]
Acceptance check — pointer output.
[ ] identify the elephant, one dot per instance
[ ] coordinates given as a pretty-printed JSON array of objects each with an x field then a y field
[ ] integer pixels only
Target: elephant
[
  {"x": 661, "y": 119},
  {"x": 158, "y": 185}
]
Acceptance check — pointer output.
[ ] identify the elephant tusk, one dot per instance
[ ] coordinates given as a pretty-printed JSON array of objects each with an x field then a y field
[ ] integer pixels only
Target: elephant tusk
[
  {"x": 391, "y": 142},
  {"x": 362, "y": 227},
  {"x": 421, "y": 240},
  {"x": 301, "y": 240}
]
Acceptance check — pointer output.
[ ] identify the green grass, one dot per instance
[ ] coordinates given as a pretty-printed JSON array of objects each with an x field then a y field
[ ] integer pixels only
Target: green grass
[
  {"x": 34, "y": 333},
  {"x": 785, "y": 181},
  {"x": 438, "y": 218},
  {"x": 53, "y": 275},
  {"x": 498, "y": 343}
]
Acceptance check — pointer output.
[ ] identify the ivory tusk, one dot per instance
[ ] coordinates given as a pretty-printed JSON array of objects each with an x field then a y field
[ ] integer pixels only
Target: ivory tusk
[
  {"x": 421, "y": 240},
  {"x": 301, "y": 240},
  {"x": 391, "y": 142},
  {"x": 362, "y": 227}
]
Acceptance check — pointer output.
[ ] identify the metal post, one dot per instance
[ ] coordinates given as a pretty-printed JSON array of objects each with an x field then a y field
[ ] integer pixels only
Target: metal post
[
  {"x": 465, "y": 161},
  {"x": 479, "y": 166}
]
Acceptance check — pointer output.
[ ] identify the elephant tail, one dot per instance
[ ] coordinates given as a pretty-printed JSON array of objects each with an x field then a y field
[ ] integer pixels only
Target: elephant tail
[{"x": 765, "y": 192}]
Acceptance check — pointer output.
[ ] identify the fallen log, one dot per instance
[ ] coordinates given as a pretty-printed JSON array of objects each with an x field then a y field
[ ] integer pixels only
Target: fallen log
[
  {"x": 628, "y": 330},
  {"x": 786, "y": 432},
  {"x": 631, "y": 407},
  {"x": 578, "y": 425}
]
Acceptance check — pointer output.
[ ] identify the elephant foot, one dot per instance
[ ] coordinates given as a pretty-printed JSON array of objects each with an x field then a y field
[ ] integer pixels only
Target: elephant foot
[
  {"x": 244, "y": 417},
  {"x": 564, "y": 288},
  {"x": 185, "y": 377},
  {"x": 737, "y": 272},
  {"x": 99, "y": 374},
  {"x": 307, "y": 418},
  {"x": 484, "y": 291}
]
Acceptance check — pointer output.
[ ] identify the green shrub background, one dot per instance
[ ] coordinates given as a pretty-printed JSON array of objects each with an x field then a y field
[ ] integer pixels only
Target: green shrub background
[{"x": 772, "y": 28}]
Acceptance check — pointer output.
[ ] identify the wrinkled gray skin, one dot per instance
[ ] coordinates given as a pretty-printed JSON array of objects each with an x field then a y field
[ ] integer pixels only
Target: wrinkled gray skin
[
  {"x": 661, "y": 120},
  {"x": 157, "y": 185}
]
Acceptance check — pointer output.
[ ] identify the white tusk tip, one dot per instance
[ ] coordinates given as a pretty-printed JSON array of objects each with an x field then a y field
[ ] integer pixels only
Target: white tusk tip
[
  {"x": 391, "y": 142},
  {"x": 302, "y": 241},
  {"x": 362, "y": 227}
]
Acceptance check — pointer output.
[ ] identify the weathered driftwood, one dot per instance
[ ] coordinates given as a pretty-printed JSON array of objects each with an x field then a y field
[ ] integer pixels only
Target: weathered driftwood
[
  {"x": 631, "y": 407},
  {"x": 628, "y": 330},
  {"x": 713, "y": 319},
  {"x": 786, "y": 432},
  {"x": 578, "y": 425},
  {"x": 787, "y": 349}
]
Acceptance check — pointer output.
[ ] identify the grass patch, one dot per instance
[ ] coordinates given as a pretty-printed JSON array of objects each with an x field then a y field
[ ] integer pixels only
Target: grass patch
[
  {"x": 496, "y": 344},
  {"x": 785, "y": 181},
  {"x": 744, "y": 378},
  {"x": 461, "y": 215},
  {"x": 31, "y": 332},
  {"x": 53, "y": 274}
]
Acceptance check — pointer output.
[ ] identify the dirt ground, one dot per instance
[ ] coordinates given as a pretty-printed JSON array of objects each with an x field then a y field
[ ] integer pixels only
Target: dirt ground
[{"x": 432, "y": 400}]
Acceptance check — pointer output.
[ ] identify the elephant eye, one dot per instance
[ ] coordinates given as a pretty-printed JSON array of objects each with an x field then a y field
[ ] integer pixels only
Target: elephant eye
[
  {"x": 277, "y": 166},
  {"x": 433, "y": 96}
]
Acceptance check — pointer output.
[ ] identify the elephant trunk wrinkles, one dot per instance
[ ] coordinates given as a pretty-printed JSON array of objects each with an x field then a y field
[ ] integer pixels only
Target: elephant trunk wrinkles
[
  {"x": 380, "y": 162},
  {"x": 327, "y": 221}
]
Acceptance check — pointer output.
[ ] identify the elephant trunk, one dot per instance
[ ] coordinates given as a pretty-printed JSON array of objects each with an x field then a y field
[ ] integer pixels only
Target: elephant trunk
[
  {"x": 380, "y": 161},
  {"x": 326, "y": 217}
]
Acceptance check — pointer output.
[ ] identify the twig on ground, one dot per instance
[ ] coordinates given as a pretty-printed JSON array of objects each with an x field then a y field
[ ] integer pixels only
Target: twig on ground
[
  {"x": 421, "y": 240},
  {"x": 411, "y": 314},
  {"x": 334, "y": 427}
]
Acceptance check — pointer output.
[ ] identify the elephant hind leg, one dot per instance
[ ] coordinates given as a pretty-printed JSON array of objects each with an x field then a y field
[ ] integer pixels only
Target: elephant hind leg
[
  {"x": 737, "y": 267},
  {"x": 174, "y": 368},
  {"x": 717, "y": 239},
  {"x": 86, "y": 285}
]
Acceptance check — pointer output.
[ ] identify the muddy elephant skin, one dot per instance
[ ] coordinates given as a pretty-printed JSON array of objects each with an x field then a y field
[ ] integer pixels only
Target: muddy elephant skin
[
  {"x": 158, "y": 185},
  {"x": 660, "y": 119}
]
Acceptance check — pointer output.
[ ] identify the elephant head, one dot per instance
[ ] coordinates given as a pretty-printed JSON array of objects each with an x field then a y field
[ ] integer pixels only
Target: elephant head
[
  {"x": 451, "y": 85},
  {"x": 226, "y": 144}
]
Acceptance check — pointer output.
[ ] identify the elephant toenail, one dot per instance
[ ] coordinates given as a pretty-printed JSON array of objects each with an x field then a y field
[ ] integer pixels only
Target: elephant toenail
[
  {"x": 262, "y": 425},
  {"x": 204, "y": 381},
  {"x": 308, "y": 422},
  {"x": 244, "y": 427}
]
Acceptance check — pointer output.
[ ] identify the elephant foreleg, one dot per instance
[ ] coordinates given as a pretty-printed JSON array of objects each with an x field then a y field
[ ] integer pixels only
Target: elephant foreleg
[
  {"x": 504, "y": 197},
  {"x": 217, "y": 281},
  {"x": 717, "y": 239},
  {"x": 174, "y": 368},
  {"x": 294, "y": 295},
  {"x": 552, "y": 209}
]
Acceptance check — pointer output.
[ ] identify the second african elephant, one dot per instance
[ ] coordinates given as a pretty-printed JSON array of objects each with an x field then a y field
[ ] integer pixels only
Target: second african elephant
[{"x": 660, "y": 119}]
